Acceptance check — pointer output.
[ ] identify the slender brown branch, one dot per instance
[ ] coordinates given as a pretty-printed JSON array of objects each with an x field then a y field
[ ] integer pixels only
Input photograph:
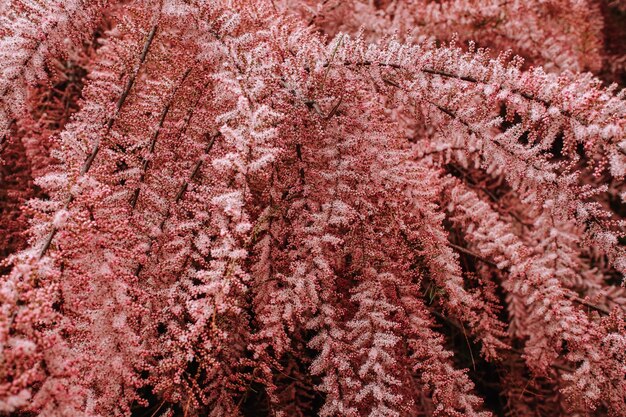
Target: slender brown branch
[
  {"x": 96, "y": 148},
  {"x": 446, "y": 74},
  {"x": 155, "y": 136},
  {"x": 474, "y": 255},
  {"x": 571, "y": 296},
  {"x": 179, "y": 194},
  {"x": 121, "y": 100},
  {"x": 335, "y": 108},
  {"x": 599, "y": 309},
  {"x": 523, "y": 94},
  {"x": 196, "y": 169},
  {"x": 459, "y": 326}
]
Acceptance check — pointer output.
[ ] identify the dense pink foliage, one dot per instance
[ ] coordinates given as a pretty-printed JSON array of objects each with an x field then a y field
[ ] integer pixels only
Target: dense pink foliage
[{"x": 312, "y": 207}]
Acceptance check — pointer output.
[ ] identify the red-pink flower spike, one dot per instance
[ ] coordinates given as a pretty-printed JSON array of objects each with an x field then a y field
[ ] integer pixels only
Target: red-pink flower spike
[{"x": 298, "y": 208}]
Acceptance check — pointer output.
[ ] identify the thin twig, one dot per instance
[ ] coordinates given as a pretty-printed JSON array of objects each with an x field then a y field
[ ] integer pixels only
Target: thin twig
[
  {"x": 179, "y": 195},
  {"x": 334, "y": 109},
  {"x": 155, "y": 135},
  {"x": 468, "y": 346},
  {"x": 96, "y": 148},
  {"x": 572, "y": 297},
  {"x": 446, "y": 74},
  {"x": 330, "y": 61},
  {"x": 592, "y": 306},
  {"x": 157, "y": 410},
  {"x": 473, "y": 254}
]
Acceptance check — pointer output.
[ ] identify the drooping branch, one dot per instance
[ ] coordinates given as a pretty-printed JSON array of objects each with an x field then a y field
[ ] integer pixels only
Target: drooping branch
[
  {"x": 573, "y": 297},
  {"x": 474, "y": 80},
  {"x": 181, "y": 191},
  {"x": 96, "y": 146},
  {"x": 155, "y": 136}
]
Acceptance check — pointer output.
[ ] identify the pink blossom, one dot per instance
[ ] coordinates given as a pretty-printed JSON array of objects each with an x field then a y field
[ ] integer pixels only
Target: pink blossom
[{"x": 294, "y": 208}]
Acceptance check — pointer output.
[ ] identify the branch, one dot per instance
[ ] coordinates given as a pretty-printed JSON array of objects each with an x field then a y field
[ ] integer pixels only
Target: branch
[
  {"x": 179, "y": 195},
  {"x": 445, "y": 74},
  {"x": 94, "y": 152},
  {"x": 473, "y": 255},
  {"x": 571, "y": 296},
  {"x": 155, "y": 135}
]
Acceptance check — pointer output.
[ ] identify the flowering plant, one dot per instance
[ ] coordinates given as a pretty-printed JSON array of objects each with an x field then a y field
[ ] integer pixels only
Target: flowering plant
[{"x": 312, "y": 207}]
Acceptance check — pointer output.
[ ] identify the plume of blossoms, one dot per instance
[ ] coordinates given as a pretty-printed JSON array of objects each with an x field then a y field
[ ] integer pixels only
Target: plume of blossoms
[{"x": 324, "y": 208}]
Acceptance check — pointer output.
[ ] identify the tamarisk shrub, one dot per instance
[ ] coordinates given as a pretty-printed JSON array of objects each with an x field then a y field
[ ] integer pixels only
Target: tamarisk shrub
[{"x": 296, "y": 208}]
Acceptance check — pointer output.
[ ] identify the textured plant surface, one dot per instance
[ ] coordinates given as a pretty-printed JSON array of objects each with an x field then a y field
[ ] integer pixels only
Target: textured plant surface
[{"x": 312, "y": 207}]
